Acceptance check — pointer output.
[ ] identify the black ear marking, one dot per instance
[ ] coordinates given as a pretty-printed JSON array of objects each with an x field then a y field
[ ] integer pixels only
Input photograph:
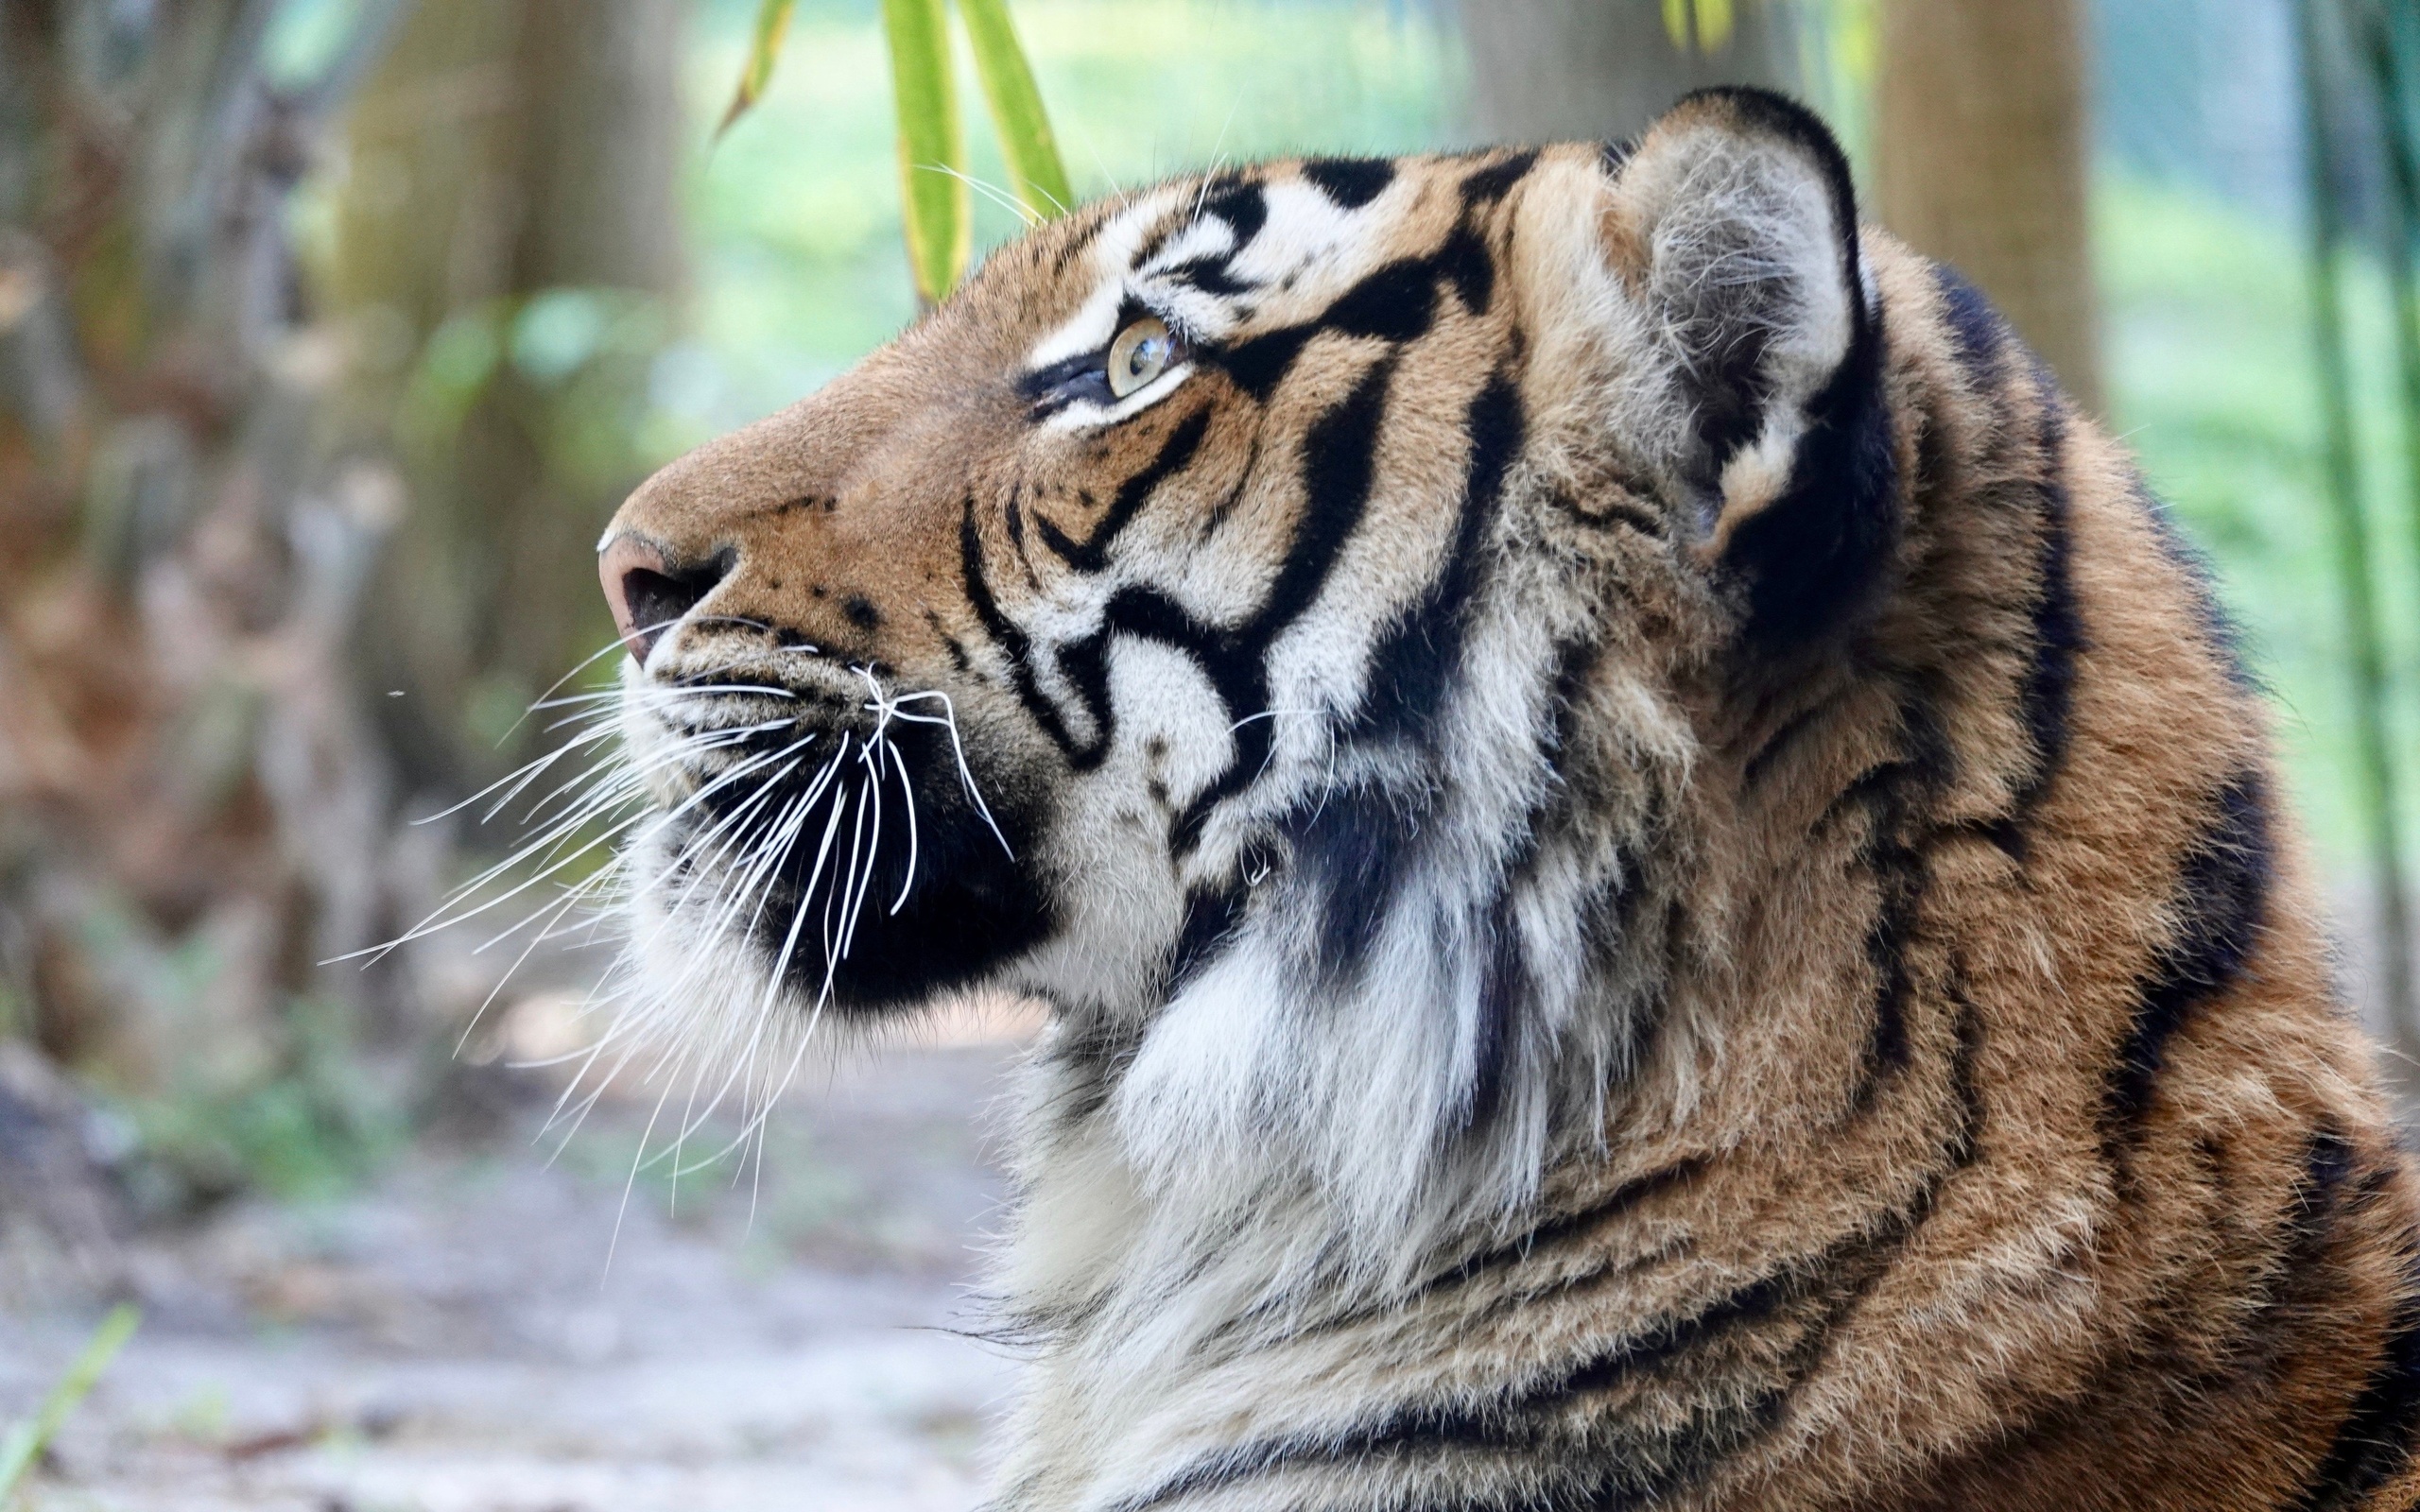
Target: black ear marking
[
  {"x": 1804, "y": 534},
  {"x": 1814, "y": 557}
]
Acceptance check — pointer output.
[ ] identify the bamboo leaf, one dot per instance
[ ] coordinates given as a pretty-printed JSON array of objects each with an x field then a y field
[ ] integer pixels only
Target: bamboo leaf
[
  {"x": 936, "y": 208},
  {"x": 1017, "y": 113},
  {"x": 24, "y": 1442},
  {"x": 1714, "y": 25},
  {"x": 1676, "y": 24},
  {"x": 763, "y": 46},
  {"x": 1697, "y": 25}
]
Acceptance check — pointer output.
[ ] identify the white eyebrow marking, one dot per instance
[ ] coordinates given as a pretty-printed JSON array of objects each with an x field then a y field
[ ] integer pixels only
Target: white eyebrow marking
[
  {"x": 1208, "y": 236},
  {"x": 1304, "y": 236},
  {"x": 1088, "y": 330},
  {"x": 1304, "y": 226},
  {"x": 1111, "y": 255}
]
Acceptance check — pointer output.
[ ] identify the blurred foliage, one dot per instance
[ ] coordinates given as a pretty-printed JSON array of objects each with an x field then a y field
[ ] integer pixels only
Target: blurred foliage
[
  {"x": 1031, "y": 148},
  {"x": 764, "y": 49},
  {"x": 936, "y": 204},
  {"x": 192, "y": 814},
  {"x": 2208, "y": 348},
  {"x": 1702, "y": 24},
  {"x": 797, "y": 240},
  {"x": 310, "y": 1128}
]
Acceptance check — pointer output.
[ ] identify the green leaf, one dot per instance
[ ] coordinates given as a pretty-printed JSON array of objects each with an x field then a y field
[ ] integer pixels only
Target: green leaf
[
  {"x": 936, "y": 206},
  {"x": 24, "y": 1442},
  {"x": 1025, "y": 140},
  {"x": 1697, "y": 25},
  {"x": 773, "y": 24}
]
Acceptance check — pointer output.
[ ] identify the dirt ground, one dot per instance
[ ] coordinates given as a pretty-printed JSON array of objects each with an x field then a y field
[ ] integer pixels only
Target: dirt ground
[{"x": 452, "y": 1339}]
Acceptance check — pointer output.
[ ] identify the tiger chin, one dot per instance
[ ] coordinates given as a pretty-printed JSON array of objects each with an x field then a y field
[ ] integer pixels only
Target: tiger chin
[{"x": 1656, "y": 880}]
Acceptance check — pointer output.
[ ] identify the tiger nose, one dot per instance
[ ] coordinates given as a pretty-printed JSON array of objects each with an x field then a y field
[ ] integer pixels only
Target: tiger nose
[{"x": 649, "y": 594}]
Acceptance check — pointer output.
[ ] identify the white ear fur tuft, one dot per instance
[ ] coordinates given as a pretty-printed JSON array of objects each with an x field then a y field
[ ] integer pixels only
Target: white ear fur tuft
[{"x": 1734, "y": 227}]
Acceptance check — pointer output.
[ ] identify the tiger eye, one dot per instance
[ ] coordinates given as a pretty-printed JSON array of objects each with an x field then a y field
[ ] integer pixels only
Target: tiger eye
[{"x": 1141, "y": 352}]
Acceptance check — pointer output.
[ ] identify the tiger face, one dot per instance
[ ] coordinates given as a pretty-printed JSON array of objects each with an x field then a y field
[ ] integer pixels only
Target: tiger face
[{"x": 1275, "y": 582}]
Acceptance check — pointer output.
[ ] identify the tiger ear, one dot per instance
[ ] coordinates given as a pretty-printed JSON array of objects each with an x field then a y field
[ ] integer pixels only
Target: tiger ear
[{"x": 1734, "y": 223}]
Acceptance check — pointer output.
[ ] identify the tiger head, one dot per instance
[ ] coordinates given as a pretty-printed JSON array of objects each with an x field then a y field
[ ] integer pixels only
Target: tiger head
[{"x": 1273, "y": 617}]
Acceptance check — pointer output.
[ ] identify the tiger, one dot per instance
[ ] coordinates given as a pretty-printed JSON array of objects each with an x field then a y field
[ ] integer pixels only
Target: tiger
[{"x": 1656, "y": 880}]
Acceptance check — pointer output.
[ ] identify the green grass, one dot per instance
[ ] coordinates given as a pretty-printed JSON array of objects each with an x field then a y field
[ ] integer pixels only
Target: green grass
[{"x": 24, "y": 1442}]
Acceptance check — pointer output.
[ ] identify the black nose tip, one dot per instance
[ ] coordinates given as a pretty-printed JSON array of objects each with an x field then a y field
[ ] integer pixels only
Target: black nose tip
[{"x": 648, "y": 594}]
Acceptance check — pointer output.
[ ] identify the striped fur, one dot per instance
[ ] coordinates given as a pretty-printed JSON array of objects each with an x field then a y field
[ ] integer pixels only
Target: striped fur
[{"x": 1658, "y": 884}]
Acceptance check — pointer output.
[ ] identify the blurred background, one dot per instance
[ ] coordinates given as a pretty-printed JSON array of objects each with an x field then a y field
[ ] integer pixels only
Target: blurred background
[{"x": 330, "y": 333}]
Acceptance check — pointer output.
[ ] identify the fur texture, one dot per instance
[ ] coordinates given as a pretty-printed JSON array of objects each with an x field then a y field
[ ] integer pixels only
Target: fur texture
[{"x": 1657, "y": 883}]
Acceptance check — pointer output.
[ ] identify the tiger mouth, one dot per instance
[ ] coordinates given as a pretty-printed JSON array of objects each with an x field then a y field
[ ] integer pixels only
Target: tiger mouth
[{"x": 841, "y": 836}]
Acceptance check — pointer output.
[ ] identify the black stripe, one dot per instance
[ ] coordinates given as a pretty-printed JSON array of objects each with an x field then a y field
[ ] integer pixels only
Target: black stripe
[
  {"x": 1413, "y": 661},
  {"x": 2048, "y": 695},
  {"x": 1395, "y": 303},
  {"x": 951, "y": 643},
  {"x": 1229, "y": 197},
  {"x": 1257, "y": 366},
  {"x": 1242, "y": 205},
  {"x": 1900, "y": 796},
  {"x": 1572, "y": 1226},
  {"x": 1488, "y": 184},
  {"x": 1356, "y": 846},
  {"x": 1091, "y": 553},
  {"x": 1074, "y": 243},
  {"x": 2221, "y": 903},
  {"x": 1506, "y": 994},
  {"x": 1760, "y": 765},
  {"x": 1981, "y": 336},
  {"x": 1616, "y": 503},
  {"x": 1085, "y": 666},
  {"x": 2327, "y": 1161},
  {"x": 1015, "y": 648},
  {"x": 1339, "y": 462},
  {"x": 1211, "y": 275},
  {"x": 1352, "y": 182},
  {"x": 1210, "y": 915},
  {"x": 2374, "y": 1444},
  {"x": 1465, "y": 261}
]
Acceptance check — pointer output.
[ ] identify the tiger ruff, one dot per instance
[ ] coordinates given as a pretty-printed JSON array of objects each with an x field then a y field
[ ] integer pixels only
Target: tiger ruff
[{"x": 1657, "y": 882}]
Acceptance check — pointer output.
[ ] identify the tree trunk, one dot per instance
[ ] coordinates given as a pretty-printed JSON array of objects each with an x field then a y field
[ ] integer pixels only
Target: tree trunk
[
  {"x": 1980, "y": 161},
  {"x": 509, "y": 240},
  {"x": 1602, "y": 70}
]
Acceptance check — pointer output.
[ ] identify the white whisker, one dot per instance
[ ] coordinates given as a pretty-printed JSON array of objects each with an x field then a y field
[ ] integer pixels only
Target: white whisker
[{"x": 730, "y": 856}]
